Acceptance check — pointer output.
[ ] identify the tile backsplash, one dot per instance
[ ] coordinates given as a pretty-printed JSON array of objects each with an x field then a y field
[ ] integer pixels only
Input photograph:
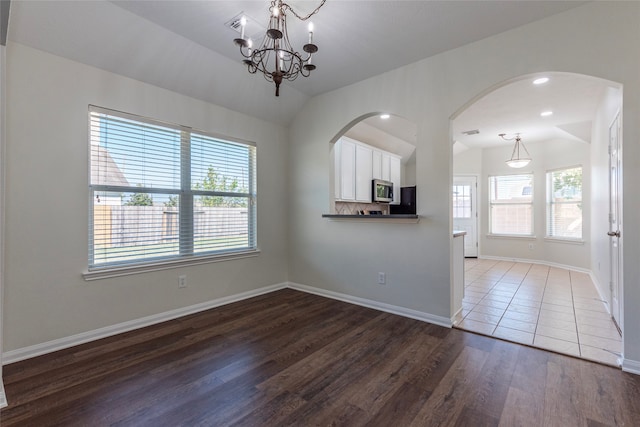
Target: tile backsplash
[{"x": 348, "y": 208}]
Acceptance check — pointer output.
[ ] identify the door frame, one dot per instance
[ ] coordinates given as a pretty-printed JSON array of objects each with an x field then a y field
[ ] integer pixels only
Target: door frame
[
  {"x": 617, "y": 121},
  {"x": 474, "y": 205}
]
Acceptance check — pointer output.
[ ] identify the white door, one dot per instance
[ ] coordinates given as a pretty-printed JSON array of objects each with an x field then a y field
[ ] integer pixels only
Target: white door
[
  {"x": 615, "y": 219},
  {"x": 465, "y": 211}
]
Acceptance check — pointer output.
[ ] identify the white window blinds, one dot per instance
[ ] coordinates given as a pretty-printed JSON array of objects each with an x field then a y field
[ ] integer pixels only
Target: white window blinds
[
  {"x": 564, "y": 203},
  {"x": 160, "y": 191},
  {"x": 511, "y": 204}
]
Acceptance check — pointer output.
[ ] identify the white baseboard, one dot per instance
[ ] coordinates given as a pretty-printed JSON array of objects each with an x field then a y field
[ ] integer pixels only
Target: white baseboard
[
  {"x": 631, "y": 366},
  {"x": 596, "y": 283},
  {"x": 84, "y": 337},
  {"x": 536, "y": 261},
  {"x": 388, "y": 308},
  {"x": 3, "y": 397}
]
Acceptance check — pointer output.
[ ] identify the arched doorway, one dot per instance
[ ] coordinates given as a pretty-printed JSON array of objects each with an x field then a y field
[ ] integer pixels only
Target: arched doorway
[
  {"x": 548, "y": 243},
  {"x": 375, "y": 146}
]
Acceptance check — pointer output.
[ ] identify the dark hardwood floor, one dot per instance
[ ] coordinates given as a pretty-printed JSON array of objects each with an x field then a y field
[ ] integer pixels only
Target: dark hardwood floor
[{"x": 290, "y": 358}]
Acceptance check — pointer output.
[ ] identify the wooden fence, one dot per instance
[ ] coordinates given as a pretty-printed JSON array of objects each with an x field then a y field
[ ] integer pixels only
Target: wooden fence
[{"x": 117, "y": 226}]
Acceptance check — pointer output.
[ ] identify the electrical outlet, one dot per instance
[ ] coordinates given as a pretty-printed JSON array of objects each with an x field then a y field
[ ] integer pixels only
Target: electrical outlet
[
  {"x": 531, "y": 246},
  {"x": 182, "y": 281},
  {"x": 382, "y": 278}
]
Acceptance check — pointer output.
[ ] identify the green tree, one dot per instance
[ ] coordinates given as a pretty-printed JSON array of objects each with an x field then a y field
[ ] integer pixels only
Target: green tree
[
  {"x": 139, "y": 199},
  {"x": 214, "y": 181},
  {"x": 568, "y": 181},
  {"x": 172, "y": 202},
  {"x": 567, "y": 184}
]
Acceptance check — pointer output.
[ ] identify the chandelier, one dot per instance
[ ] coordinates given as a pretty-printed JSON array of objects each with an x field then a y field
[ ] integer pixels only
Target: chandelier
[
  {"x": 516, "y": 161},
  {"x": 275, "y": 58}
]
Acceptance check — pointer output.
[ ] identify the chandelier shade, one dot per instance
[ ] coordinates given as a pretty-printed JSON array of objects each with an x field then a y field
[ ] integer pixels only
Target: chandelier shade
[
  {"x": 518, "y": 160},
  {"x": 275, "y": 57}
]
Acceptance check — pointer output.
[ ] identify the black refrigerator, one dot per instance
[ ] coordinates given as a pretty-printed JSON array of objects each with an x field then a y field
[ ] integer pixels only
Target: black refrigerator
[{"x": 407, "y": 204}]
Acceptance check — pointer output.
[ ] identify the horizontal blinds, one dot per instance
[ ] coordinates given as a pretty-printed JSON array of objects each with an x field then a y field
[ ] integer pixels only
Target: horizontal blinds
[
  {"x": 511, "y": 204},
  {"x": 564, "y": 203},
  {"x": 511, "y": 188},
  {"x": 133, "y": 154},
  {"x": 222, "y": 180},
  {"x": 161, "y": 192}
]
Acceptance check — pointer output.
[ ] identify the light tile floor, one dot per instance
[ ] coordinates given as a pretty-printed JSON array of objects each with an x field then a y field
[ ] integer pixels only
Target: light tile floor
[{"x": 546, "y": 307}]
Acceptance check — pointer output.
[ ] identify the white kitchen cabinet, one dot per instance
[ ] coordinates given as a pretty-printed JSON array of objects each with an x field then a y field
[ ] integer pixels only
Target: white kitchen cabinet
[
  {"x": 356, "y": 164},
  {"x": 347, "y": 171},
  {"x": 364, "y": 170},
  {"x": 377, "y": 164},
  {"x": 395, "y": 176},
  {"x": 335, "y": 170},
  {"x": 386, "y": 167}
]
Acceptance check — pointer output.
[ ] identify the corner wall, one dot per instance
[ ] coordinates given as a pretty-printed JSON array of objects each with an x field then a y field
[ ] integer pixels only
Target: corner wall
[
  {"x": 47, "y": 199},
  {"x": 3, "y": 114},
  {"x": 416, "y": 257}
]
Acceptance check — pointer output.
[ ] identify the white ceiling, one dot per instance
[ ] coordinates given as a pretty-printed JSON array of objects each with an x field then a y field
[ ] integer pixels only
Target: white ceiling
[
  {"x": 516, "y": 107},
  {"x": 356, "y": 39},
  {"x": 185, "y": 47}
]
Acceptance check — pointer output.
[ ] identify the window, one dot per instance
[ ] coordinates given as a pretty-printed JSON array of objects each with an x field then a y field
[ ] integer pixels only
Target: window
[
  {"x": 511, "y": 205},
  {"x": 564, "y": 203},
  {"x": 461, "y": 201},
  {"x": 161, "y": 192}
]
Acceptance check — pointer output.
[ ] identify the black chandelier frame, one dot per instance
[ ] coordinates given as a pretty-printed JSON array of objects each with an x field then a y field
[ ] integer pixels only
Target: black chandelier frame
[{"x": 275, "y": 58}]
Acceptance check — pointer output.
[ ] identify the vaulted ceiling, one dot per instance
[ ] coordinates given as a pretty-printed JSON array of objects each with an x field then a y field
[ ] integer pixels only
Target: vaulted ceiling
[{"x": 184, "y": 46}]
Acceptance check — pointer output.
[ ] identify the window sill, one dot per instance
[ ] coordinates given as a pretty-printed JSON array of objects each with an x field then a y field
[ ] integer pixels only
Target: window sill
[
  {"x": 560, "y": 240},
  {"x": 510, "y": 236},
  {"x": 109, "y": 272}
]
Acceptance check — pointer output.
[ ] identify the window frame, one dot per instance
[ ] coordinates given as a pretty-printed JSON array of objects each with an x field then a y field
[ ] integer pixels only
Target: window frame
[
  {"x": 186, "y": 195},
  {"x": 530, "y": 203},
  {"x": 549, "y": 205}
]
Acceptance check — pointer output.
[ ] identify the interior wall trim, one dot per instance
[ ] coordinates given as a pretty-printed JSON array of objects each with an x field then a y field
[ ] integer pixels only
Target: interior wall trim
[
  {"x": 3, "y": 397},
  {"x": 84, "y": 337},
  {"x": 631, "y": 366},
  {"x": 376, "y": 305}
]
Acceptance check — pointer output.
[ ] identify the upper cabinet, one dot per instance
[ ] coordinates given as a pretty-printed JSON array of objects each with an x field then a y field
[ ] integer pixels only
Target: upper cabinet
[
  {"x": 364, "y": 173},
  {"x": 377, "y": 165},
  {"x": 395, "y": 176},
  {"x": 347, "y": 170},
  {"x": 356, "y": 164}
]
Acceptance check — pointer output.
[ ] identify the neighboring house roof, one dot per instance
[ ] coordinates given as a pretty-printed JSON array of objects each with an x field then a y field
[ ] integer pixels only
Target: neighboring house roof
[{"x": 105, "y": 171}]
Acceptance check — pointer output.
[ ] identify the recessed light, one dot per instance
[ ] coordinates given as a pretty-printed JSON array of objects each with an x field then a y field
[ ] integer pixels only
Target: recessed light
[
  {"x": 541, "y": 81},
  {"x": 385, "y": 116},
  {"x": 546, "y": 113}
]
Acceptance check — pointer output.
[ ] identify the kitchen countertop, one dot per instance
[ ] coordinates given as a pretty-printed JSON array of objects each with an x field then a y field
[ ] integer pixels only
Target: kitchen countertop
[{"x": 383, "y": 218}]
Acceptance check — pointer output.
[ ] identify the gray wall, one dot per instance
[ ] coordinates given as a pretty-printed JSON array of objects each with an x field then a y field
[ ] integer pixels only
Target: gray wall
[
  {"x": 416, "y": 257},
  {"x": 46, "y": 297},
  {"x": 47, "y": 202}
]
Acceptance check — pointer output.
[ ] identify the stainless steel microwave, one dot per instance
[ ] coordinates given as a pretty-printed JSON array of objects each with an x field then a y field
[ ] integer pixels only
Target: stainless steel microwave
[{"x": 382, "y": 191}]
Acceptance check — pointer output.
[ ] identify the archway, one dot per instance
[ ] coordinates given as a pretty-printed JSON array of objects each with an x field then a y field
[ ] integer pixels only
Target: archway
[
  {"x": 373, "y": 146},
  {"x": 521, "y": 230}
]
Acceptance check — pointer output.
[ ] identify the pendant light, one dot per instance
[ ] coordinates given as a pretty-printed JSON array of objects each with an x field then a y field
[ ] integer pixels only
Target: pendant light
[{"x": 517, "y": 159}]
